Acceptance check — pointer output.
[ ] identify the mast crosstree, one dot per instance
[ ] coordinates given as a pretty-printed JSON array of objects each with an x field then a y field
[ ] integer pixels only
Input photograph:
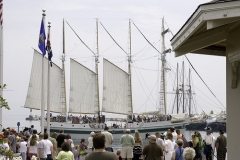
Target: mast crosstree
[{"x": 162, "y": 101}]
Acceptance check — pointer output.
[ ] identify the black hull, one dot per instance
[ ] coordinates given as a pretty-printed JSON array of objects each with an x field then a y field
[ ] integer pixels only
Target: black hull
[
  {"x": 31, "y": 119},
  {"x": 216, "y": 126}
]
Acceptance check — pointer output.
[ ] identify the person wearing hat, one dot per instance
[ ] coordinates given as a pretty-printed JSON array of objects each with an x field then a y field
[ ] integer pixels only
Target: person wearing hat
[
  {"x": 127, "y": 141},
  {"x": 221, "y": 146},
  {"x": 209, "y": 143},
  {"x": 178, "y": 153},
  {"x": 152, "y": 151}
]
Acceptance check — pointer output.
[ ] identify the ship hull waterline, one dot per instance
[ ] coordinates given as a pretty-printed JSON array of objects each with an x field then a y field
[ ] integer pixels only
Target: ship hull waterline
[{"x": 78, "y": 131}]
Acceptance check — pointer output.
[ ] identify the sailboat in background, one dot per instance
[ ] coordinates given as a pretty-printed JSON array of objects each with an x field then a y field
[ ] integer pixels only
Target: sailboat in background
[{"x": 84, "y": 98}]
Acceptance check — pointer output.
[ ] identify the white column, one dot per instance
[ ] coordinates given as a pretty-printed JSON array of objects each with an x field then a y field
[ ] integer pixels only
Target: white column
[
  {"x": 233, "y": 95},
  {"x": 233, "y": 115}
]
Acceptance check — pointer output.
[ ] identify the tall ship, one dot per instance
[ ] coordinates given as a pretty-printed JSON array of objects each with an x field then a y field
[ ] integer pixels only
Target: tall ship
[{"x": 84, "y": 97}]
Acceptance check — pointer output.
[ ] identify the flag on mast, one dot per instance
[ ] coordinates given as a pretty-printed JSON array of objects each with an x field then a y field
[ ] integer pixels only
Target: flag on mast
[
  {"x": 42, "y": 38},
  {"x": 48, "y": 47}
]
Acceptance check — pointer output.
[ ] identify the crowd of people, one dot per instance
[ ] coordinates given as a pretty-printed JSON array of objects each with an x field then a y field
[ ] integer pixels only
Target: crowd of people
[
  {"x": 78, "y": 119},
  {"x": 171, "y": 145},
  {"x": 84, "y": 119}
]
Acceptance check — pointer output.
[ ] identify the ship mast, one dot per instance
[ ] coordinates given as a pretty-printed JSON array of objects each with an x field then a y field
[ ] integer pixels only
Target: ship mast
[
  {"x": 129, "y": 68},
  {"x": 177, "y": 91},
  {"x": 183, "y": 87},
  {"x": 97, "y": 103},
  {"x": 63, "y": 81},
  {"x": 163, "y": 108},
  {"x": 190, "y": 93}
]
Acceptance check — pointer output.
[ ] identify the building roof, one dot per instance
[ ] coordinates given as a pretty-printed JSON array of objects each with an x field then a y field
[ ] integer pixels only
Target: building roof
[
  {"x": 208, "y": 19},
  {"x": 211, "y": 2}
]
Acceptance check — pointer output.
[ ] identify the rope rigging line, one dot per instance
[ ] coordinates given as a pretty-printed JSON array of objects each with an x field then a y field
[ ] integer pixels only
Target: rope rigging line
[
  {"x": 145, "y": 82},
  {"x": 73, "y": 49},
  {"x": 80, "y": 39},
  {"x": 147, "y": 24},
  {"x": 145, "y": 68},
  {"x": 146, "y": 47},
  {"x": 141, "y": 50},
  {"x": 144, "y": 90},
  {"x": 204, "y": 82},
  {"x": 209, "y": 104},
  {"x": 194, "y": 86},
  {"x": 148, "y": 98},
  {"x": 202, "y": 79},
  {"x": 145, "y": 51},
  {"x": 146, "y": 38},
  {"x": 213, "y": 105},
  {"x": 196, "y": 104},
  {"x": 107, "y": 49},
  {"x": 113, "y": 38}
]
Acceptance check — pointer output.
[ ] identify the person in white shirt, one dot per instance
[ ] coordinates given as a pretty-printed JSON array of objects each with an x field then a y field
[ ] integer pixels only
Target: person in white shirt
[
  {"x": 49, "y": 147},
  {"x": 42, "y": 148},
  {"x": 32, "y": 149},
  {"x": 23, "y": 148},
  {"x": 108, "y": 140},
  {"x": 169, "y": 146},
  {"x": 90, "y": 143},
  {"x": 210, "y": 143},
  {"x": 160, "y": 141},
  {"x": 172, "y": 129},
  {"x": 174, "y": 134}
]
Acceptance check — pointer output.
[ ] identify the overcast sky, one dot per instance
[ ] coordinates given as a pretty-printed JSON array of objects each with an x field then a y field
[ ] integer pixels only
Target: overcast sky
[{"x": 21, "y": 21}]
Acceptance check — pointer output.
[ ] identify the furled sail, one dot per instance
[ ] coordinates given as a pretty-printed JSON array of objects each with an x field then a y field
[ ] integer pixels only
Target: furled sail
[
  {"x": 83, "y": 90},
  {"x": 116, "y": 89},
  {"x": 33, "y": 99}
]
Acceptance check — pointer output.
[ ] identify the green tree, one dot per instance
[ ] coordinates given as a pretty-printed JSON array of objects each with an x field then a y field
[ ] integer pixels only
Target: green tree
[
  {"x": 3, "y": 151},
  {"x": 7, "y": 153},
  {"x": 211, "y": 112},
  {"x": 3, "y": 102}
]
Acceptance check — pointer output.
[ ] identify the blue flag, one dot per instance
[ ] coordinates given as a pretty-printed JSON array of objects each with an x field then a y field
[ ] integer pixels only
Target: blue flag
[
  {"x": 49, "y": 49},
  {"x": 42, "y": 37}
]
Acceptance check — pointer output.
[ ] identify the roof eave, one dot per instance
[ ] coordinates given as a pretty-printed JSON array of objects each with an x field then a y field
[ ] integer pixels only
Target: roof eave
[{"x": 204, "y": 13}]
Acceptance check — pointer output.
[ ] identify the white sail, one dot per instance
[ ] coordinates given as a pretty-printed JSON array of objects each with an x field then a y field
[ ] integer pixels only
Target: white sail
[
  {"x": 83, "y": 91},
  {"x": 33, "y": 99},
  {"x": 115, "y": 89}
]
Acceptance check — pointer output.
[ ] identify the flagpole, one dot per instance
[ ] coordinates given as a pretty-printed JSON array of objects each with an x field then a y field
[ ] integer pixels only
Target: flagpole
[
  {"x": 1, "y": 61},
  {"x": 43, "y": 84},
  {"x": 48, "y": 94}
]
